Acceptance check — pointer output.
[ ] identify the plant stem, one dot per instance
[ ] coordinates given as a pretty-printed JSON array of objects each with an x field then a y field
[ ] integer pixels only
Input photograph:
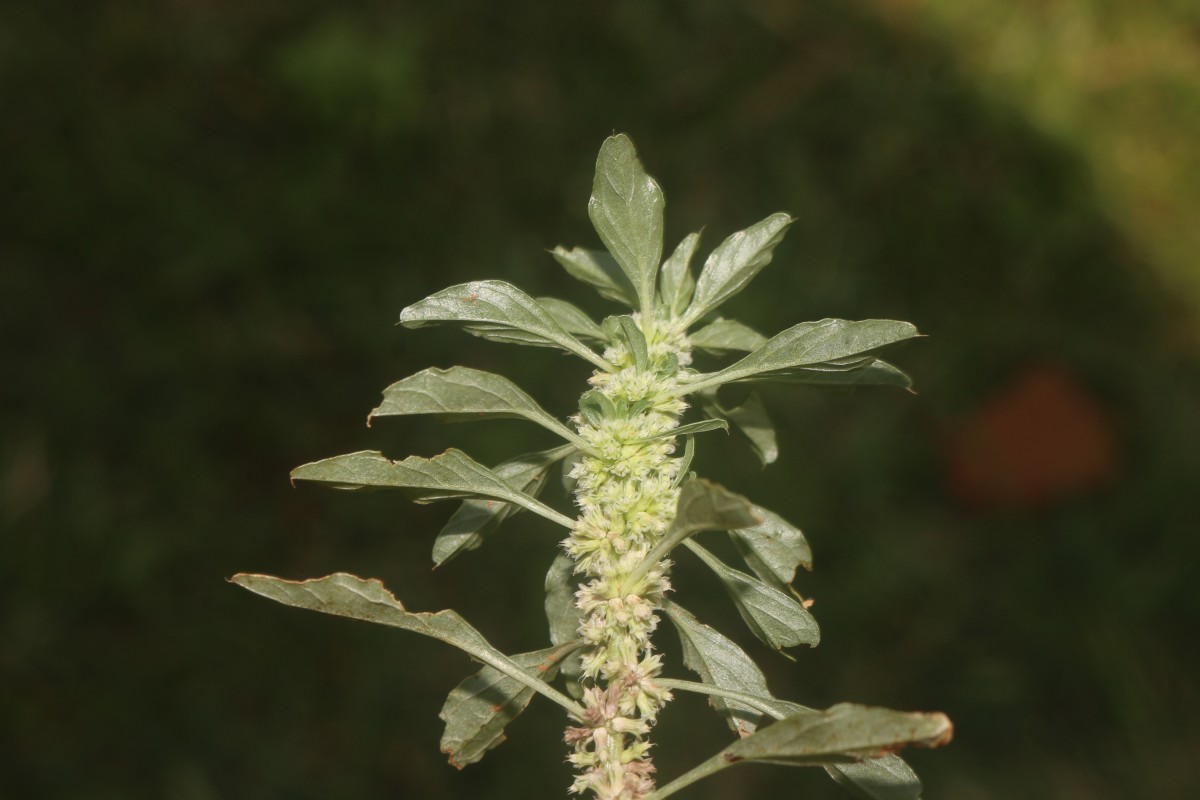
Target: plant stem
[
  {"x": 753, "y": 701},
  {"x": 699, "y": 772}
]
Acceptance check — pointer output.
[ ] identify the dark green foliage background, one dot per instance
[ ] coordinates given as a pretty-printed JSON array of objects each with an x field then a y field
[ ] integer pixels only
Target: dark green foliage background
[{"x": 213, "y": 213}]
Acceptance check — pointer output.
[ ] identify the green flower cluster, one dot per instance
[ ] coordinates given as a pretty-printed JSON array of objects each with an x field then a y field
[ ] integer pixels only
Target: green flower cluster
[{"x": 627, "y": 490}]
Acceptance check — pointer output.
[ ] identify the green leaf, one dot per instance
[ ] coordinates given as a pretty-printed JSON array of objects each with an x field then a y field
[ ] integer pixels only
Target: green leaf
[
  {"x": 595, "y": 407},
  {"x": 637, "y": 342},
  {"x": 449, "y": 475},
  {"x": 735, "y": 262},
  {"x": 707, "y": 506},
  {"x": 776, "y": 618},
  {"x": 561, "y": 613},
  {"x": 572, "y": 319},
  {"x": 725, "y": 335},
  {"x": 347, "y": 595},
  {"x": 773, "y": 548},
  {"x": 750, "y": 420},
  {"x": 702, "y": 506},
  {"x": 477, "y": 519},
  {"x": 675, "y": 281},
  {"x": 478, "y": 709},
  {"x": 500, "y": 312},
  {"x": 626, "y": 209},
  {"x": 685, "y": 461},
  {"x": 720, "y": 662},
  {"x": 564, "y": 617},
  {"x": 689, "y": 429},
  {"x": 887, "y": 777},
  {"x": 806, "y": 346},
  {"x": 668, "y": 365},
  {"x": 851, "y": 372},
  {"x": 884, "y": 778},
  {"x": 844, "y": 733},
  {"x": 461, "y": 393},
  {"x": 600, "y": 270}
]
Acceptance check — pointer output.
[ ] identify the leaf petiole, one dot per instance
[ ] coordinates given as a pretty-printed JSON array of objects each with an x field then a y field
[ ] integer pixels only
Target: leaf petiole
[{"x": 753, "y": 701}]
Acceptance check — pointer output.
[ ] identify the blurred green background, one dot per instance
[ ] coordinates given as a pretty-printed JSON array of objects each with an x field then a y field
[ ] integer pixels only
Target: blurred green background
[{"x": 214, "y": 211}]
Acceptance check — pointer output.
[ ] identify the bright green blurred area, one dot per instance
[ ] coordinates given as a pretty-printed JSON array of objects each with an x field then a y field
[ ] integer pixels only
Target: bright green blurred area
[{"x": 215, "y": 211}]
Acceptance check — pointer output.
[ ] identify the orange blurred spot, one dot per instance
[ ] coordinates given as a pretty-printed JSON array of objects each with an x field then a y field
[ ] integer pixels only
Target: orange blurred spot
[{"x": 1043, "y": 438}]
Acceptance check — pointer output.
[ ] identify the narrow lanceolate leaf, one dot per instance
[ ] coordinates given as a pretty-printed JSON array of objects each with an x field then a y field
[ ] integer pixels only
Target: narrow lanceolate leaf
[
  {"x": 776, "y": 618},
  {"x": 805, "y": 346},
  {"x": 449, "y": 475},
  {"x": 477, "y": 519},
  {"x": 850, "y": 372},
  {"x": 675, "y": 281},
  {"x": 685, "y": 461},
  {"x": 479, "y": 708},
  {"x": 750, "y": 420},
  {"x": 734, "y": 264},
  {"x": 702, "y": 506},
  {"x": 600, "y": 270},
  {"x": 564, "y": 617},
  {"x": 725, "y": 335},
  {"x": 572, "y": 319},
  {"x": 719, "y": 662},
  {"x": 690, "y": 429},
  {"x": 773, "y": 549},
  {"x": 595, "y": 407},
  {"x": 500, "y": 312},
  {"x": 844, "y": 733},
  {"x": 706, "y": 506},
  {"x": 888, "y": 777},
  {"x": 347, "y": 595},
  {"x": 461, "y": 393},
  {"x": 884, "y": 778},
  {"x": 561, "y": 613},
  {"x": 626, "y": 209},
  {"x": 637, "y": 342}
]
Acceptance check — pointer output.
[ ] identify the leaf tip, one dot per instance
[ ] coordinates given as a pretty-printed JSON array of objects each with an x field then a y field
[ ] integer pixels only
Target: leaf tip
[
  {"x": 408, "y": 318},
  {"x": 621, "y": 140},
  {"x": 451, "y": 754},
  {"x": 947, "y": 730}
]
